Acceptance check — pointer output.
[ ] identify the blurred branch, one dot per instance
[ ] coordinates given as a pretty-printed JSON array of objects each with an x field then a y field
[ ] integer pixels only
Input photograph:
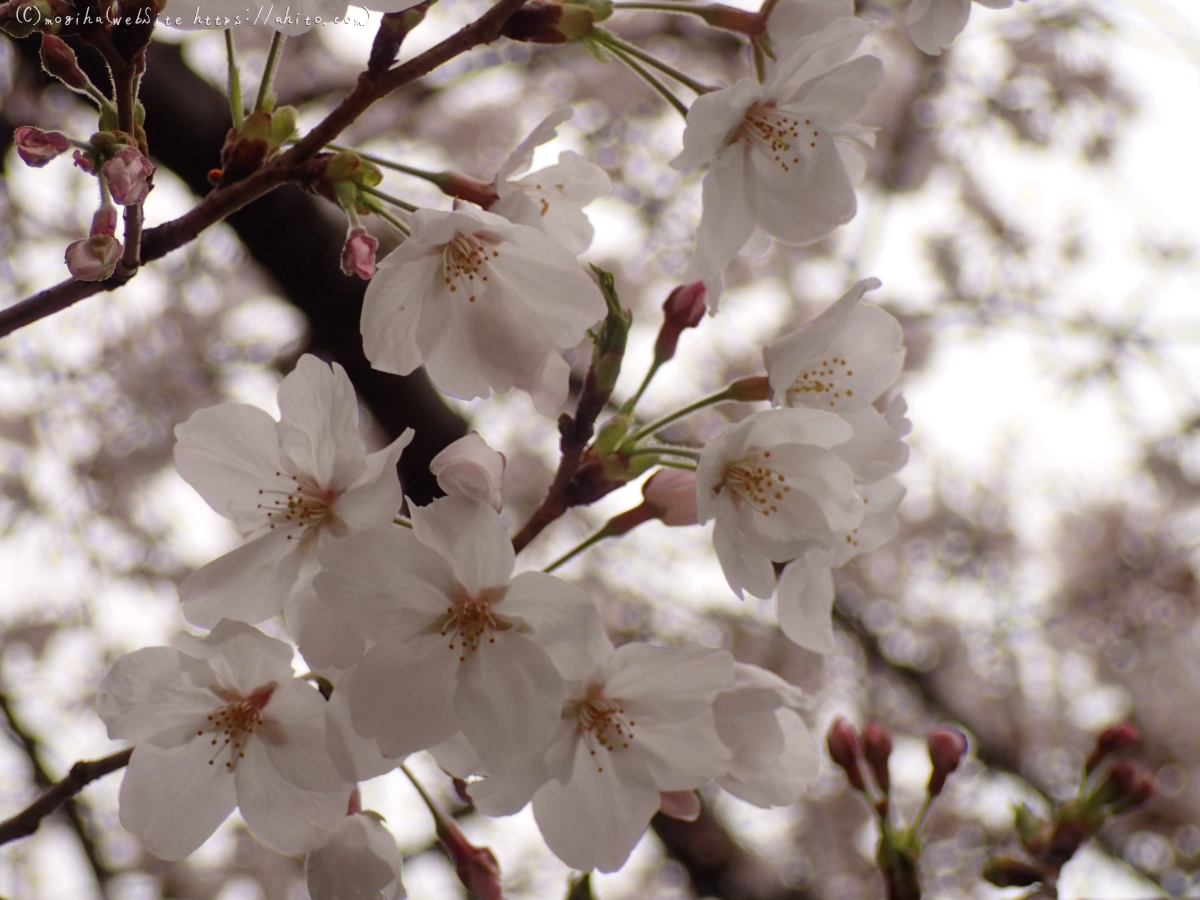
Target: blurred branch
[{"x": 56, "y": 795}]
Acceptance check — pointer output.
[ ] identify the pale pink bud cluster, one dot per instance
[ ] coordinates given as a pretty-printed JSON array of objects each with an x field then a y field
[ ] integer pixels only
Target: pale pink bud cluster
[
  {"x": 128, "y": 176},
  {"x": 36, "y": 147}
]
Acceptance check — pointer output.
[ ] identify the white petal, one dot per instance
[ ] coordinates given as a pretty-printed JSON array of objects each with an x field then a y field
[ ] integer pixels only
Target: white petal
[
  {"x": 392, "y": 311},
  {"x": 325, "y": 639},
  {"x": 359, "y": 861},
  {"x": 457, "y": 757},
  {"x": 791, "y": 21},
  {"x": 934, "y": 24},
  {"x": 250, "y": 583},
  {"x": 549, "y": 389},
  {"x": 561, "y": 619},
  {"x": 243, "y": 658},
  {"x": 729, "y": 214},
  {"x": 804, "y": 601},
  {"x": 712, "y": 120},
  {"x": 796, "y": 766},
  {"x": 282, "y": 815},
  {"x": 875, "y": 451},
  {"x": 293, "y": 736},
  {"x": 470, "y": 536},
  {"x": 173, "y": 800},
  {"x": 807, "y": 201},
  {"x": 668, "y": 683},
  {"x": 815, "y": 55},
  {"x": 156, "y": 694},
  {"x": 470, "y": 468},
  {"x": 879, "y": 525},
  {"x": 375, "y": 497},
  {"x": 318, "y": 424},
  {"x": 228, "y": 453},
  {"x": 683, "y": 755},
  {"x": 745, "y": 568},
  {"x": 682, "y": 805},
  {"x": 522, "y": 157},
  {"x": 356, "y": 758}
]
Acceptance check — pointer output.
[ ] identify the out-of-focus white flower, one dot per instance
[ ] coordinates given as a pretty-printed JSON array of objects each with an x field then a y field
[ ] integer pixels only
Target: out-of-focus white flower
[
  {"x": 292, "y": 485},
  {"x": 775, "y": 488},
  {"x": 221, "y": 722},
  {"x": 774, "y": 754},
  {"x": 483, "y": 303},
  {"x": 783, "y": 154},
  {"x": 359, "y": 861},
  {"x": 551, "y": 199},
  {"x": 470, "y": 468},
  {"x": 461, "y": 644},
  {"x": 638, "y": 726},
  {"x": 934, "y": 24}
]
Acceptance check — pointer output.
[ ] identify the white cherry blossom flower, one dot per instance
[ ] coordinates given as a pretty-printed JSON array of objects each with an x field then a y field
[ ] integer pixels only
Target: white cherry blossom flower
[
  {"x": 775, "y": 487},
  {"x": 461, "y": 645},
  {"x": 934, "y": 24},
  {"x": 783, "y": 154},
  {"x": 470, "y": 468},
  {"x": 774, "y": 755},
  {"x": 221, "y": 722},
  {"x": 791, "y": 21},
  {"x": 551, "y": 199},
  {"x": 359, "y": 861},
  {"x": 483, "y": 303},
  {"x": 292, "y": 485},
  {"x": 638, "y": 726}
]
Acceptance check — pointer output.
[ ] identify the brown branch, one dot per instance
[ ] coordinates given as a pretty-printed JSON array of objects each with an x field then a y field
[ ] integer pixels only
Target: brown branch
[
  {"x": 82, "y": 774},
  {"x": 159, "y": 241}
]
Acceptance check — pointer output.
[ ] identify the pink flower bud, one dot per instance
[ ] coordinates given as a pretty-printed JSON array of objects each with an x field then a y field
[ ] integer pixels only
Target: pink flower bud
[
  {"x": 947, "y": 746},
  {"x": 683, "y": 308},
  {"x": 358, "y": 254},
  {"x": 672, "y": 494},
  {"x": 681, "y": 805},
  {"x": 128, "y": 175},
  {"x": 476, "y": 867},
  {"x": 94, "y": 258},
  {"x": 842, "y": 741},
  {"x": 877, "y": 748},
  {"x": 1113, "y": 740},
  {"x": 104, "y": 221},
  {"x": 1128, "y": 785},
  {"x": 37, "y": 147},
  {"x": 470, "y": 468},
  {"x": 481, "y": 193},
  {"x": 58, "y": 59}
]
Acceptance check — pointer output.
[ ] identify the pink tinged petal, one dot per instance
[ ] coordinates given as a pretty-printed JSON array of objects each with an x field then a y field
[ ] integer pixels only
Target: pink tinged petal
[
  {"x": 156, "y": 694},
  {"x": 293, "y": 736},
  {"x": 596, "y": 819},
  {"x": 522, "y": 156},
  {"x": 358, "y": 861},
  {"x": 470, "y": 468},
  {"x": 875, "y": 451},
  {"x": 795, "y": 767},
  {"x": 745, "y": 568},
  {"x": 384, "y": 583},
  {"x": 668, "y": 683},
  {"x": 682, "y": 755},
  {"x": 804, "y": 601},
  {"x": 173, "y": 800},
  {"x": 392, "y": 311},
  {"x": 282, "y": 815},
  {"x": 228, "y": 453},
  {"x": 470, "y": 536},
  {"x": 250, "y": 583},
  {"x": 243, "y": 658},
  {"x": 682, "y": 805},
  {"x": 318, "y": 424},
  {"x": 355, "y": 757},
  {"x": 376, "y": 496},
  {"x": 561, "y": 619},
  {"x": 508, "y": 699},
  {"x": 403, "y": 695}
]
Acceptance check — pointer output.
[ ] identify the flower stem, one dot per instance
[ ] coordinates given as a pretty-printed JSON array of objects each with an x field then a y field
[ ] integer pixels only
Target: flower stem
[
  {"x": 657, "y": 425},
  {"x": 628, "y": 406},
  {"x": 268, "y": 76},
  {"x": 377, "y": 208},
  {"x": 420, "y": 790},
  {"x": 235, "y": 82},
  {"x": 658, "y": 86},
  {"x": 664, "y": 7},
  {"x": 395, "y": 201},
  {"x": 677, "y": 464},
  {"x": 684, "y": 452},
  {"x": 389, "y": 164},
  {"x": 614, "y": 527},
  {"x": 613, "y": 42},
  {"x": 577, "y": 549}
]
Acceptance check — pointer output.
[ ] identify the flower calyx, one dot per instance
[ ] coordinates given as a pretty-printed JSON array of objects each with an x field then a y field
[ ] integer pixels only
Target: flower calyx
[
  {"x": 555, "y": 22},
  {"x": 339, "y": 177},
  {"x": 262, "y": 133}
]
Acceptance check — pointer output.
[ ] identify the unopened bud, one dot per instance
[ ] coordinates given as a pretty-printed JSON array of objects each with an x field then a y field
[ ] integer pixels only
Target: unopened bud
[
  {"x": 672, "y": 495},
  {"x": 128, "y": 176},
  {"x": 37, "y": 147},
  {"x": 751, "y": 390},
  {"x": 730, "y": 18},
  {"x": 470, "y": 468},
  {"x": 550, "y": 22},
  {"x": 358, "y": 254},
  {"x": 1111, "y": 741},
  {"x": 453, "y": 184},
  {"x": 94, "y": 258},
  {"x": 393, "y": 29},
  {"x": 683, "y": 309},
  {"x": 1008, "y": 871},
  {"x": 877, "y": 748},
  {"x": 58, "y": 59},
  {"x": 842, "y": 741},
  {"x": 1127, "y": 785},
  {"x": 947, "y": 746},
  {"x": 476, "y": 867}
]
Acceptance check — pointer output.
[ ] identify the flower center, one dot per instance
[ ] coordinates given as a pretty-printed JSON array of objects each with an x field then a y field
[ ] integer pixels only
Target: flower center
[
  {"x": 298, "y": 504},
  {"x": 466, "y": 256},
  {"x": 753, "y": 480},
  {"x": 602, "y": 723},
  {"x": 232, "y": 724},
  {"x": 470, "y": 619},
  {"x": 785, "y": 139},
  {"x": 823, "y": 381}
]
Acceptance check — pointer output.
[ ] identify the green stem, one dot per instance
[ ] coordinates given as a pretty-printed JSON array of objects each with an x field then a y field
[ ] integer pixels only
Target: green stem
[
  {"x": 268, "y": 76},
  {"x": 395, "y": 201},
  {"x": 377, "y": 208},
  {"x": 388, "y": 164},
  {"x": 577, "y": 549},
  {"x": 661, "y": 88},
  {"x": 921, "y": 815},
  {"x": 683, "y": 452},
  {"x": 665, "y": 7},
  {"x": 677, "y": 464},
  {"x": 235, "y": 82},
  {"x": 628, "y": 406},
  {"x": 420, "y": 790},
  {"x": 657, "y": 425},
  {"x": 611, "y": 41}
]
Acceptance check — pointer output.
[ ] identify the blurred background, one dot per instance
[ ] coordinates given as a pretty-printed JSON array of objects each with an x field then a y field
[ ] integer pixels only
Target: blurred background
[{"x": 1033, "y": 210}]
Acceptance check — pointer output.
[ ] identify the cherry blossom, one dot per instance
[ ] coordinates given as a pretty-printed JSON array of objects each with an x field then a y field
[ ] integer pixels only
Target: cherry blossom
[
  {"x": 292, "y": 486},
  {"x": 221, "y": 722},
  {"x": 639, "y": 725},
  {"x": 934, "y": 24},
  {"x": 672, "y": 495},
  {"x": 551, "y": 199},
  {"x": 483, "y": 303},
  {"x": 774, "y": 755},
  {"x": 93, "y": 258},
  {"x": 461, "y": 645},
  {"x": 36, "y": 147},
  {"x": 128, "y": 175},
  {"x": 791, "y": 21},
  {"x": 360, "y": 860},
  {"x": 783, "y": 154},
  {"x": 470, "y": 468},
  {"x": 775, "y": 487}
]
